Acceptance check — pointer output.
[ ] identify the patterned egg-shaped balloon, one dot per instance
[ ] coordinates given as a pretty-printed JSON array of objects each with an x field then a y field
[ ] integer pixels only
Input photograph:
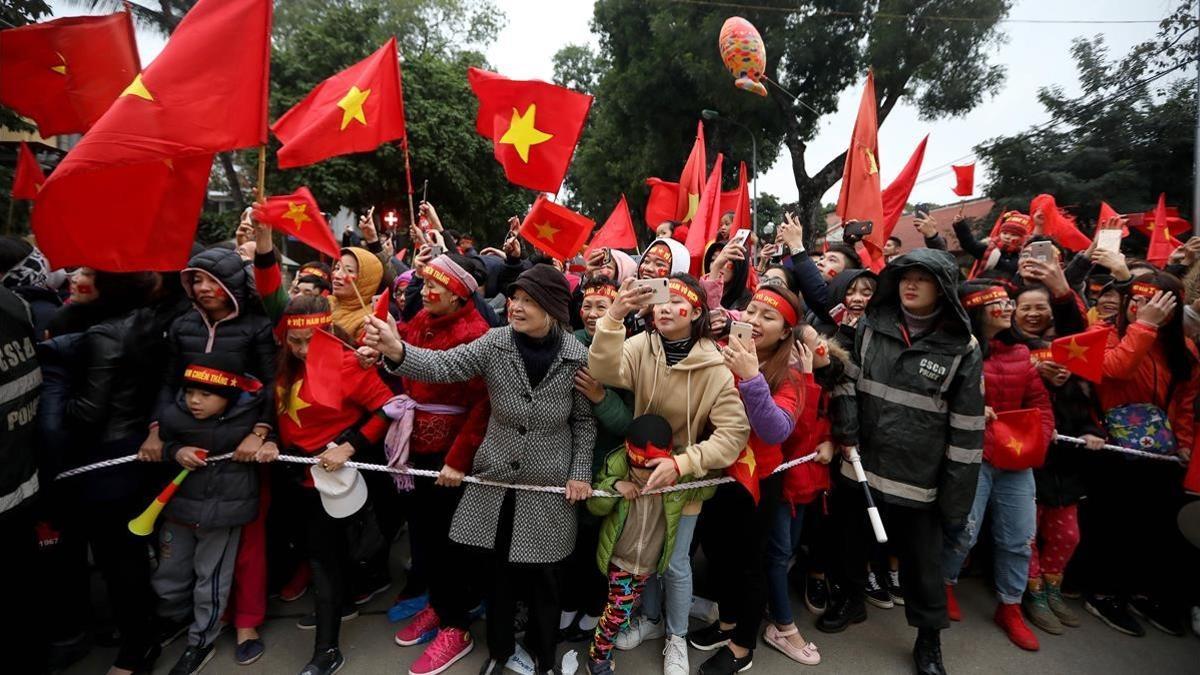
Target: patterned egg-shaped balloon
[{"x": 744, "y": 54}]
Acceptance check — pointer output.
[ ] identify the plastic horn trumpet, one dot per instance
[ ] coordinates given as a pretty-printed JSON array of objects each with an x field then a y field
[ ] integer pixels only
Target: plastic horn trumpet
[
  {"x": 872, "y": 510},
  {"x": 143, "y": 525}
]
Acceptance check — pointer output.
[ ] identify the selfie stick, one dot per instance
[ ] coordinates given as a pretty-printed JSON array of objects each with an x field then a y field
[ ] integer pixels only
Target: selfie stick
[{"x": 872, "y": 511}]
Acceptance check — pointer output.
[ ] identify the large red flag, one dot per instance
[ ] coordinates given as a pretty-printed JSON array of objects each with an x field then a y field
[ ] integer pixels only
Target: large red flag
[
  {"x": 356, "y": 110},
  {"x": 663, "y": 200},
  {"x": 691, "y": 179},
  {"x": 297, "y": 214},
  {"x": 708, "y": 215},
  {"x": 64, "y": 74},
  {"x": 1082, "y": 353},
  {"x": 1176, "y": 225},
  {"x": 555, "y": 229},
  {"x": 895, "y": 195},
  {"x": 964, "y": 180},
  {"x": 533, "y": 125},
  {"x": 860, "y": 198},
  {"x": 28, "y": 179},
  {"x": 323, "y": 368},
  {"x": 741, "y": 205},
  {"x": 128, "y": 197},
  {"x": 617, "y": 231},
  {"x": 1162, "y": 244}
]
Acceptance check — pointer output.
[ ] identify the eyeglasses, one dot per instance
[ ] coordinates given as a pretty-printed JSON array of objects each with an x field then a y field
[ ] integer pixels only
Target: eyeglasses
[{"x": 1003, "y": 304}]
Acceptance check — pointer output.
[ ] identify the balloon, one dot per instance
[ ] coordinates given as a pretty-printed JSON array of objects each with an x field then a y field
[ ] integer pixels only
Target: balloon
[{"x": 744, "y": 54}]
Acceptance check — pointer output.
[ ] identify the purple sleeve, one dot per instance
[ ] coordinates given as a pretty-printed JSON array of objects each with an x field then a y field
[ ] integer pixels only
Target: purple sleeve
[{"x": 769, "y": 422}]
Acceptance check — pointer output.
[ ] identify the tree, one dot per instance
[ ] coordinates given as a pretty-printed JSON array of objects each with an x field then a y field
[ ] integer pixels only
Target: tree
[
  {"x": 663, "y": 67},
  {"x": 1127, "y": 137}
]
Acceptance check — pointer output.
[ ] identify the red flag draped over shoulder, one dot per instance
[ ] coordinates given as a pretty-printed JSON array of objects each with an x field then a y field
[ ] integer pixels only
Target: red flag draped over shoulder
[
  {"x": 617, "y": 231},
  {"x": 299, "y": 215},
  {"x": 895, "y": 195},
  {"x": 533, "y": 125},
  {"x": 28, "y": 178},
  {"x": 128, "y": 197},
  {"x": 356, "y": 110},
  {"x": 860, "y": 198},
  {"x": 64, "y": 74}
]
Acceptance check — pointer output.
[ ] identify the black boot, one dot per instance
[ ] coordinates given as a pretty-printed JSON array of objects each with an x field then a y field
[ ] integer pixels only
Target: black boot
[
  {"x": 843, "y": 611},
  {"x": 927, "y": 652}
]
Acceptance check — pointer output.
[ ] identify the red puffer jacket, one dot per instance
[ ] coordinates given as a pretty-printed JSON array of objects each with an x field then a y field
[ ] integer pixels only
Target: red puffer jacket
[
  {"x": 802, "y": 483},
  {"x": 458, "y": 436},
  {"x": 1010, "y": 382}
]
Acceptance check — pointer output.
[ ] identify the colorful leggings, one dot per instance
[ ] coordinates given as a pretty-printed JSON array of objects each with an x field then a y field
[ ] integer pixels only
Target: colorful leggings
[
  {"x": 624, "y": 592},
  {"x": 1058, "y": 531}
]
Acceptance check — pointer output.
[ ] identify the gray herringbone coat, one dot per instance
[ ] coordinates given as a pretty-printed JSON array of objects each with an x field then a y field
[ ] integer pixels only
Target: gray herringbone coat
[{"x": 535, "y": 436}]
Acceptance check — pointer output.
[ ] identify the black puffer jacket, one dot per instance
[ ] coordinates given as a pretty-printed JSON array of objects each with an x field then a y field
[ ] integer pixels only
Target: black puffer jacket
[
  {"x": 919, "y": 409},
  {"x": 222, "y": 494},
  {"x": 246, "y": 332},
  {"x": 838, "y": 287}
]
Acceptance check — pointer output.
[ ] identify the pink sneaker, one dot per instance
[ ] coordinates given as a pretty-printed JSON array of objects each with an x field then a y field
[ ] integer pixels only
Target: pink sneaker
[
  {"x": 422, "y": 629},
  {"x": 450, "y": 645}
]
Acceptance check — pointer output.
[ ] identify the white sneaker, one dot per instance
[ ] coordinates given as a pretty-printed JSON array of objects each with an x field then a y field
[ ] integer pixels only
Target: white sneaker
[
  {"x": 638, "y": 631},
  {"x": 675, "y": 656}
]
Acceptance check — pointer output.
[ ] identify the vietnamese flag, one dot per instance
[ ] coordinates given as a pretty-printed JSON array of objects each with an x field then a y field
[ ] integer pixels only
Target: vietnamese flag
[
  {"x": 896, "y": 194},
  {"x": 707, "y": 219},
  {"x": 691, "y": 180},
  {"x": 533, "y": 125},
  {"x": 1175, "y": 225},
  {"x": 356, "y": 110},
  {"x": 860, "y": 198},
  {"x": 382, "y": 304},
  {"x": 1059, "y": 224},
  {"x": 64, "y": 74},
  {"x": 323, "y": 368},
  {"x": 555, "y": 229},
  {"x": 742, "y": 220},
  {"x": 1162, "y": 244},
  {"x": 1107, "y": 213},
  {"x": 661, "y": 204},
  {"x": 298, "y": 215},
  {"x": 28, "y": 179},
  {"x": 1082, "y": 353},
  {"x": 617, "y": 231},
  {"x": 1017, "y": 441},
  {"x": 964, "y": 177},
  {"x": 128, "y": 196}
]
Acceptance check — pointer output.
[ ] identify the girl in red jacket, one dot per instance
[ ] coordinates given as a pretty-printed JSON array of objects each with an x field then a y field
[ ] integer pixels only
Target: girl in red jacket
[
  {"x": 1148, "y": 394},
  {"x": 1010, "y": 382}
]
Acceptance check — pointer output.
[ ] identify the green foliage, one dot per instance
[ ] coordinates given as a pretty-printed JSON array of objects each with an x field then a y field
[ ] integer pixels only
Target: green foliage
[
  {"x": 661, "y": 66},
  {"x": 578, "y": 67},
  {"x": 1129, "y": 136},
  {"x": 215, "y": 227}
]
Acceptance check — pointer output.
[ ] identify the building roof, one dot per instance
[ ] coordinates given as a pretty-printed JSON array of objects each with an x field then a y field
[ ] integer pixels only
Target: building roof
[{"x": 977, "y": 208}]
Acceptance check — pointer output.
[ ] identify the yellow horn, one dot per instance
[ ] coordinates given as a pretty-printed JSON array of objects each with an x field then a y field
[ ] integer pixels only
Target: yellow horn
[{"x": 143, "y": 525}]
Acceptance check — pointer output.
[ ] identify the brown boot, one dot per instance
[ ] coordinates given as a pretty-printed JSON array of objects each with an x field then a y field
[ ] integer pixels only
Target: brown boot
[{"x": 1054, "y": 599}]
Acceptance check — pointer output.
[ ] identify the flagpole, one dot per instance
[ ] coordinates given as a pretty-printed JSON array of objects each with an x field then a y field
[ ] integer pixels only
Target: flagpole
[{"x": 262, "y": 172}]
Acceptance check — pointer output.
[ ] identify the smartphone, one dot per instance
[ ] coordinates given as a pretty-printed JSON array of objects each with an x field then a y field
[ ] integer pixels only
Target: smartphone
[
  {"x": 837, "y": 313},
  {"x": 740, "y": 237},
  {"x": 1040, "y": 250},
  {"x": 436, "y": 249},
  {"x": 922, "y": 210},
  {"x": 1109, "y": 239},
  {"x": 742, "y": 332},
  {"x": 659, "y": 286}
]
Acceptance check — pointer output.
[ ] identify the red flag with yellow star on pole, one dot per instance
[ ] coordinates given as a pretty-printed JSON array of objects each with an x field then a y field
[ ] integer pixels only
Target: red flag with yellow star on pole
[
  {"x": 356, "y": 110},
  {"x": 691, "y": 180},
  {"x": 533, "y": 125},
  {"x": 1162, "y": 243},
  {"x": 1017, "y": 441},
  {"x": 297, "y": 214},
  {"x": 1082, "y": 353},
  {"x": 128, "y": 196},
  {"x": 861, "y": 197},
  {"x": 28, "y": 179},
  {"x": 555, "y": 229},
  {"x": 64, "y": 74}
]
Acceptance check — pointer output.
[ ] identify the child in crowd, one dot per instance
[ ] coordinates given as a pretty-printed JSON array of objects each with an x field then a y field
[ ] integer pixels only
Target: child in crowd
[{"x": 216, "y": 407}]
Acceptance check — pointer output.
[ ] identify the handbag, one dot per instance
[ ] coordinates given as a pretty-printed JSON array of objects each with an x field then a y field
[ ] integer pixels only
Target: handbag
[{"x": 1141, "y": 426}]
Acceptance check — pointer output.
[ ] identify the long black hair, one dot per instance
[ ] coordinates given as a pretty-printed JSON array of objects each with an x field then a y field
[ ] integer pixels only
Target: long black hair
[
  {"x": 701, "y": 327},
  {"x": 975, "y": 315},
  {"x": 1170, "y": 335}
]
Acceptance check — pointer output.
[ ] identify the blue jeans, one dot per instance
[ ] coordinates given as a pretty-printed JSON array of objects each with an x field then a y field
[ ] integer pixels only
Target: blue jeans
[
  {"x": 1010, "y": 494},
  {"x": 782, "y": 543},
  {"x": 677, "y": 582}
]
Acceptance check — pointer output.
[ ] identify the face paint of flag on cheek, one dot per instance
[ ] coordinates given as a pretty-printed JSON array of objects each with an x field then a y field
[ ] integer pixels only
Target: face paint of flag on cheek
[
  {"x": 996, "y": 313},
  {"x": 821, "y": 350},
  {"x": 683, "y": 312},
  {"x": 434, "y": 296}
]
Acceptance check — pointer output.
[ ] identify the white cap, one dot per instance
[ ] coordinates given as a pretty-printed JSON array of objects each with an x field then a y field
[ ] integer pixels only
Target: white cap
[{"x": 343, "y": 492}]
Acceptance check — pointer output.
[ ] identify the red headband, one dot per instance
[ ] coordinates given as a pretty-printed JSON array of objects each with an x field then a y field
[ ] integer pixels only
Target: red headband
[
  {"x": 663, "y": 250},
  {"x": 681, "y": 289},
  {"x": 777, "y": 302},
  {"x": 314, "y": 272},
  {"x": 432, "y": 272},
  {"x": 302, "y": 321},
  {"x": 602, "y": 291},
  {"x": 1142, "y": 289},
  {"x": 219, "y": 378},
  {"x": 980, "y": 298},
  {"x": 639, "y": 456},
  {"x": 1039, "y": 355}
]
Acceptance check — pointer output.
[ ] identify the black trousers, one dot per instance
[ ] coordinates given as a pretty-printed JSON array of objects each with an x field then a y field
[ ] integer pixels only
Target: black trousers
[
  {"x": 916, "y": 538},
  {"x": 733, "y": 532},
  {"x": 429, "y": 536},
  {"x": 328, "y": 550},
  {"x": 584, "y": 587},
  {"x": 22, "y": 640}
]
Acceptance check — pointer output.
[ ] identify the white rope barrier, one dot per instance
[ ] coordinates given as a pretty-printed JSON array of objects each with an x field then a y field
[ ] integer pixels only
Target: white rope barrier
[{"x": 1124, "y": 450}]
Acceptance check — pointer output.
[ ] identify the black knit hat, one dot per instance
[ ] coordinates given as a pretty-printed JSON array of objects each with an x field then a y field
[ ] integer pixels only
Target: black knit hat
[
  {"x": 548, "y": 288},
  {"x": 218, "y": 372},
  {"x": 647, "y": 437}
]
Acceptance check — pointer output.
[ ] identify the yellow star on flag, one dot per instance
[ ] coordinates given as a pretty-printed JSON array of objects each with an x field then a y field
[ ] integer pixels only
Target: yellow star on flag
[
  {"x": 61, "y": 68},
  {"x": 294, "y": 404},
  {"x": 297, "y": 213},
  {"x": 522, "y": 133},
  {"x": 136, "y": 88},
  {"x": 1076, "y": 350},
  {"x": 352, "y": 106},
  {"x": 872, "y": 165},
  {"x": 1014, "y": 445},
  {"x": 693, "y": 205},
  {"x": 748, "y": 459},
  {"x": 546, "y": 231}
]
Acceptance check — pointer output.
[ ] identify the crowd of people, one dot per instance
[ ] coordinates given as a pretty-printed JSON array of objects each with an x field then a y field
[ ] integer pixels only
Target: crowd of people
[{"x": 503, "y": 367}]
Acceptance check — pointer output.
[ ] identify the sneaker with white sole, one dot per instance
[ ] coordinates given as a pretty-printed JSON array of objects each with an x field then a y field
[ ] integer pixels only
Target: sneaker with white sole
[
  {"x": 675, "y": 656},
  {"x": 638, "y": 631},
  {"x": 877, "y": 595},
  {"x": 450, "y": 646},
  {"x": 422, "y": 629}
]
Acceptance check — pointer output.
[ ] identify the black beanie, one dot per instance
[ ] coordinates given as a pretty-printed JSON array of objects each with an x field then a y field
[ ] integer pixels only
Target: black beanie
[
  {"x": 218, "y": 372},
  {"x": 548, "y": 288}
]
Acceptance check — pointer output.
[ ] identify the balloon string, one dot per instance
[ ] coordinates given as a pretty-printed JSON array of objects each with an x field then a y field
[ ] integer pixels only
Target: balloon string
[{"x": 794, "y": 97}]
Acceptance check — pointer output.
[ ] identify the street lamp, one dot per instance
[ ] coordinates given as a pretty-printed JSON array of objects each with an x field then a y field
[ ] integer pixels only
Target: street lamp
[{"x": 715, "y": 116}]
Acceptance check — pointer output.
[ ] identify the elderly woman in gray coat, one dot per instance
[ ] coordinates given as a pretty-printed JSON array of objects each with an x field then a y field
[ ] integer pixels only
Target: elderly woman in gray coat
[{"x": 540, "y": 432}]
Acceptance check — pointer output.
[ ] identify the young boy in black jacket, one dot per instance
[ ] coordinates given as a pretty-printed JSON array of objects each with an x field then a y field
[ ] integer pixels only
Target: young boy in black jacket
[{"x": 215, "y": 408}]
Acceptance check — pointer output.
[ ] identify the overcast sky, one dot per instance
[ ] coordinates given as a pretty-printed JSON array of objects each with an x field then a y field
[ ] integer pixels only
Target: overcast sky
[{"x": 1035, "y": 55}]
